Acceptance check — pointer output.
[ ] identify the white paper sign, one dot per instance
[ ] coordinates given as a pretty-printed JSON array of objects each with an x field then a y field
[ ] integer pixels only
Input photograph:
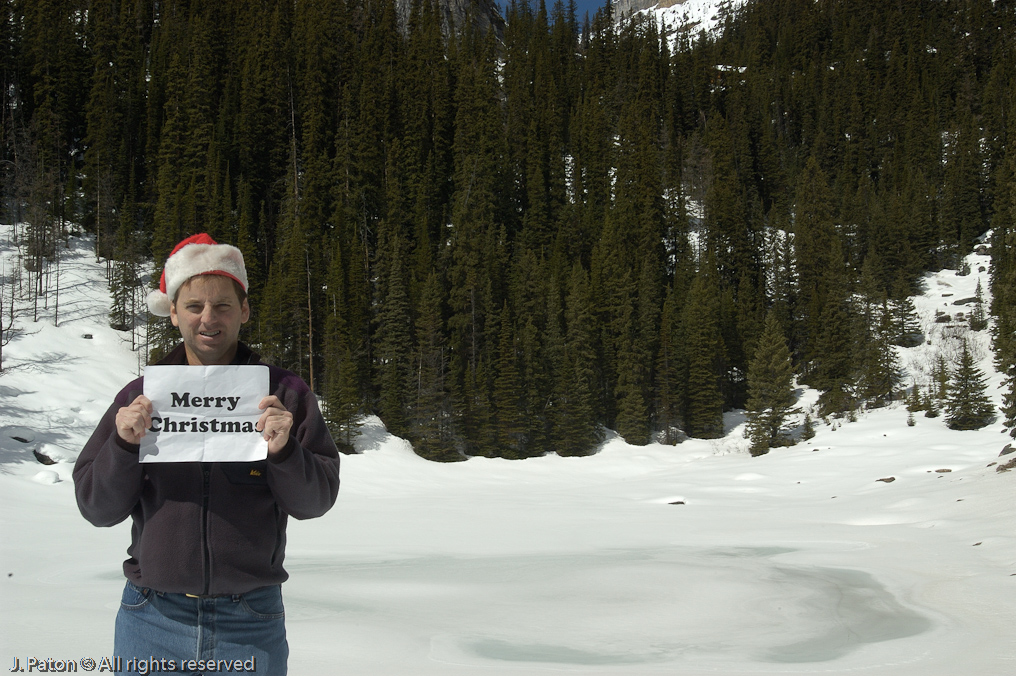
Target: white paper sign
[{"x": 205, "y": 413}]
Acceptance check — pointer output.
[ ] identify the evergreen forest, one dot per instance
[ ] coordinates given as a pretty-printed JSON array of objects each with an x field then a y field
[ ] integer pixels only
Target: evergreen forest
[{"x": 504, "y": 244}]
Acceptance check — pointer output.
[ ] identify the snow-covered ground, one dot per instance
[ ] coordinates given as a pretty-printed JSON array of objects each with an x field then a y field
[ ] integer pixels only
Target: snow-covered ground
[{"x": 688, "y": 559}]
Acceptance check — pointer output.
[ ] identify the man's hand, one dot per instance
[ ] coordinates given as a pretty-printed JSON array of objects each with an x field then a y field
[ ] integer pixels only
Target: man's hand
[
  {"x": 274, "y": 423},
  {"x": 133, "y": 421}
]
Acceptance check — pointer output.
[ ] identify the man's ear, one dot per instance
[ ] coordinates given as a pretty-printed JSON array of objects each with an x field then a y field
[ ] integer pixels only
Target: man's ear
[
  {"x": 172, "y": 314},
  {"x": 244, "y": 312}
]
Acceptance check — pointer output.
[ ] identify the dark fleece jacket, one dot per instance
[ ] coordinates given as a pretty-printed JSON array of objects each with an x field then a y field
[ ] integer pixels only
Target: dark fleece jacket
[{"x": 210, "y": 528}]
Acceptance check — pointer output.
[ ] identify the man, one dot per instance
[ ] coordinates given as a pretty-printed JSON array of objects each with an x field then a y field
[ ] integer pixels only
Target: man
[{"x": 205, "y": 569}]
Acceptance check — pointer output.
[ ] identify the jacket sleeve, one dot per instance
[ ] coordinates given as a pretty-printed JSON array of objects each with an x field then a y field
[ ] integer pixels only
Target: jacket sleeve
[
  {"x": 304, "y": 477},
  {"x": 107, "y": 475}
]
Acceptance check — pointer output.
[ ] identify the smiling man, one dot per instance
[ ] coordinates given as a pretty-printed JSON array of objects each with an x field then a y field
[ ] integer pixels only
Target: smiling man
[{"x": 204, "y": 568}]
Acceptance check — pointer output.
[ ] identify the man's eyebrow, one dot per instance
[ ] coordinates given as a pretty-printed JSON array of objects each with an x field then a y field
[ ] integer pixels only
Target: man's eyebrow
[{"x": 215, "y": 301}]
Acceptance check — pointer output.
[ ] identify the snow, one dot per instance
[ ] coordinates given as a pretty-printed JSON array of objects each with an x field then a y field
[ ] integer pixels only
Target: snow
[
  {"x": 797, "y": 562},
  {"x": 692, "y": 15}
]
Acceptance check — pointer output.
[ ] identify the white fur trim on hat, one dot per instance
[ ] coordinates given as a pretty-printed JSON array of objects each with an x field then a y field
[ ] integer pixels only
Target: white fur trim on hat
[{"x": 192, "y": 260}]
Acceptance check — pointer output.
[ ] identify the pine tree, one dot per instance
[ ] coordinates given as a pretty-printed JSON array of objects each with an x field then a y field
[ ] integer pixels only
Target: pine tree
[
  {"x": 808, "y": 432},
  {"x": 770, "y": 389},
  {"x": 819, "y": 261},
  {"x": 978, "y": 320},
  {"x": 632, "y": 420},
  {"x": 1008, "y": 407},
  {"x": 878, "y": 370},
  {"x": 126, "y": 282},
  {"x": 393, "y": 351},
  {"x": 431, "y": 431},
  {"x": 703, "y": 416},
  {"x": 832, "y": 366},
  {"x": 906, "y": 328},
  {"x": 507, "y": 392},
  {"x": 939, "y": 389},
  {"x": 576, "y": 424},
  {"x": 968, "y": 406},
  {"x": 671, "y": 369},
  {"x": 341, "y": 396}
]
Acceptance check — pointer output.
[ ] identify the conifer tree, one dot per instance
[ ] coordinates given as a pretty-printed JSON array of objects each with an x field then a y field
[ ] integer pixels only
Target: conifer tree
[
  {"x": 704, "y": 349},
  {"x": 632, "y": 420},
  {"x": 1003, "y": 288},
  {"x": 509, "y": 425},
  {"x": 393, "y": 352},
  {"x": 576, "y": 423},
  {"x": 940, "y": 375},
  {"x": 282, "y": 322},
  {"x": 906, "y": 327},
  {"x": 878, "y": 371},
  {"x": 968, "y": 406},
  {"x": 431, "y": 422},
  {"x": 671, "y": 369},
  {"x": 1008, "y": 407},
  {"x": 341, "y": 396},
  {"x": 819, "y": 257},
  {"x": 125, "y": 282},
  {"x": 962, "y": 211},
  {"x": 978, "y": 321},
  {"x": 770, "y": 389}
]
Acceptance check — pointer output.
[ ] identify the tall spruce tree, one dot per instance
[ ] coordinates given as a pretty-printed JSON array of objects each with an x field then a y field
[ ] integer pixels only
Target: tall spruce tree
[
  {"x": 576, "y": 425},
  {"x": 671, "y": 369},
  {"x": 770, "y": 389},
  {"x": 703, "y": 416},
  {"x": 968, "y": 406},
  {"x": 394, "y": 349},
  {"x": 431, "y": 431},
  {"x": 342, "y": 401}
]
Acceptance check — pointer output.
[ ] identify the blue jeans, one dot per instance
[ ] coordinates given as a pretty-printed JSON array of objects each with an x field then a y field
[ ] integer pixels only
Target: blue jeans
[{"x": 153, "y": 628}]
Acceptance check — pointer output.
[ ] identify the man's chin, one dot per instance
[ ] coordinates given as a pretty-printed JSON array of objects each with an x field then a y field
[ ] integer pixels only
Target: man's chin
[{"x": 210, "y": 355}]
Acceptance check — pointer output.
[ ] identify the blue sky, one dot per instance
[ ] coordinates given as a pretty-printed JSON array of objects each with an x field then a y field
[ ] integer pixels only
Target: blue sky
[{"x": 584, "y": 6}]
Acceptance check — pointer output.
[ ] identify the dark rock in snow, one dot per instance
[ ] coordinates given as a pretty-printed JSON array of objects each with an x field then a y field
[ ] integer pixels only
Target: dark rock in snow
[
  {"x": 43, "y": 458},
  {"x": 888, "y": 479}
]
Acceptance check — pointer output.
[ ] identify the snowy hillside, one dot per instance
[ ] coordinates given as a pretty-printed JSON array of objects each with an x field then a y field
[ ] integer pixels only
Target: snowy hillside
[
  {"x": 681, "y": 15},
  {"x": 690, "y": 559}
]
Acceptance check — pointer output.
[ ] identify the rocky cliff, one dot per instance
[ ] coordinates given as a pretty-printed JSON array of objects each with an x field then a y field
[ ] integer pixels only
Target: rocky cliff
[{"x": 483, "y": 14}]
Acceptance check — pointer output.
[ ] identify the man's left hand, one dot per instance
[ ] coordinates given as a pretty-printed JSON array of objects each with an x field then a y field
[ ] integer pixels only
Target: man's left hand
[{"x": 274, "y": 424}]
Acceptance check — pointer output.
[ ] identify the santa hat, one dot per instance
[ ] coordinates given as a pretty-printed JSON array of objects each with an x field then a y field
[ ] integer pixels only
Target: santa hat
[{"x": 196, "y": 255}]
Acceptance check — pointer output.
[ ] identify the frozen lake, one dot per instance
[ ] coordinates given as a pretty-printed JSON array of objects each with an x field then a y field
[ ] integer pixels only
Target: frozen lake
[{"x": 618, "y": 608}]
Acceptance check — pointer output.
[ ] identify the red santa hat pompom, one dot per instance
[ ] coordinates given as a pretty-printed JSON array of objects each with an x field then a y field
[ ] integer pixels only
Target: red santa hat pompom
[{"x": 196, "y": 255}]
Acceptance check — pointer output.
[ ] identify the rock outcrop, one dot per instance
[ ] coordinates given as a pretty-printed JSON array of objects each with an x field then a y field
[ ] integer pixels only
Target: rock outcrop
[{"x": 455, "y": 14}]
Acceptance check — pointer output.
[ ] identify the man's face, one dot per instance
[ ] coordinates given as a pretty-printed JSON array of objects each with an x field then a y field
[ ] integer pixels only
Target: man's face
[{"x": 209, "y": 314}]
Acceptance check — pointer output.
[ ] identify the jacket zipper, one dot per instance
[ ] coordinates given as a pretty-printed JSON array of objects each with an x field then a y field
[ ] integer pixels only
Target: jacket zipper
[{"x": 207, "y": 476}]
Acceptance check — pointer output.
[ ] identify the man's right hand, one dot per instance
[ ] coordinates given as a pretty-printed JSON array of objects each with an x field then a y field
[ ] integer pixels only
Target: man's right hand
[{"x": 132, "y": 422}]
